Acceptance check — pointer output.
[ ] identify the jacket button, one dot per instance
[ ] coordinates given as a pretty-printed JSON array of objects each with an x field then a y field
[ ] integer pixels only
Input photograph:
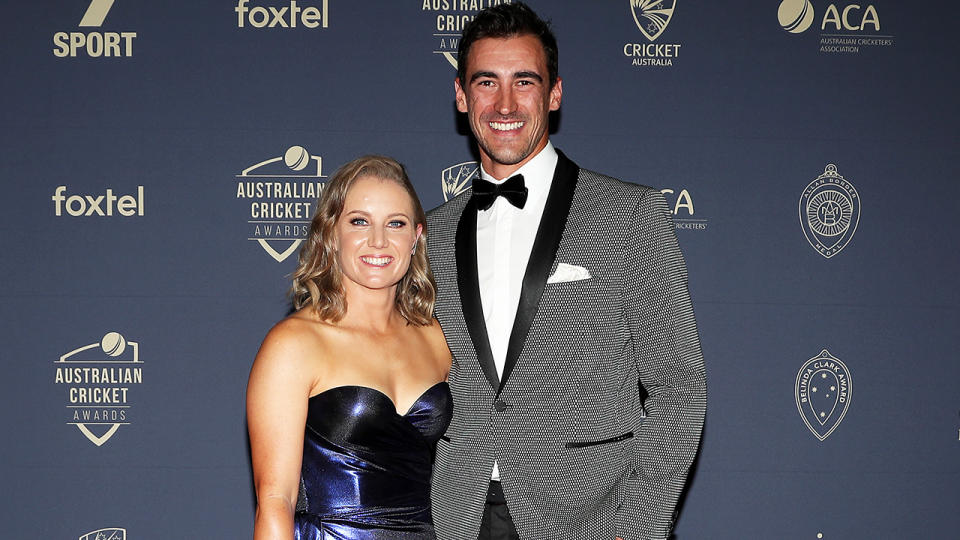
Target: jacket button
[{"x": 499, "y": 405}]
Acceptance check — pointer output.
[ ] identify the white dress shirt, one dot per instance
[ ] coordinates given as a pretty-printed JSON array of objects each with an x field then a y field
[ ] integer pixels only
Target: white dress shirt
[{"x": 505, "y": 236}]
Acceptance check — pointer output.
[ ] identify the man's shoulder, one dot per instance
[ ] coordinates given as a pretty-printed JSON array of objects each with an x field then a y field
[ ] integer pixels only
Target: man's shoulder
[
  {"x": 449, "y": 212},
  {"x": 591, "y": 183},
  {"x": 598, "y": 181},
  {"x": 610, "y": 193},
  {"x": 442, "y": 221}
]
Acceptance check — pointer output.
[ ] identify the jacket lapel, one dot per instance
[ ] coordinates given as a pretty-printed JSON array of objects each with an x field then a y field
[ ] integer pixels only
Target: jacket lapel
[
  {"x": 545, "y": 245},
  {"x": 469, "y": 286}
]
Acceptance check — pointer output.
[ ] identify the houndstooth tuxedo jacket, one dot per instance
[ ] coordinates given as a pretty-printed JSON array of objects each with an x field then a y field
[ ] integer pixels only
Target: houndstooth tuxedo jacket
[{"x": 599, "y": 411}]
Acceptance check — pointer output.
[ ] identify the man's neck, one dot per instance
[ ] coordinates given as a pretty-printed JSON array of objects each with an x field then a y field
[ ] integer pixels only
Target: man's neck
[{"x": 501, "y": 171}]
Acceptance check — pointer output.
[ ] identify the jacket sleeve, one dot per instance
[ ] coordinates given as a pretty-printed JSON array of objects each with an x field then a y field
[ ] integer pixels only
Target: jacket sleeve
[{"x": 670, "y": 366}]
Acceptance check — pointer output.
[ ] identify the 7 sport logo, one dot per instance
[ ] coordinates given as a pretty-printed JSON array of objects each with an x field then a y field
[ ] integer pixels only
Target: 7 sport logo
[{"x": 94, "y": 44}]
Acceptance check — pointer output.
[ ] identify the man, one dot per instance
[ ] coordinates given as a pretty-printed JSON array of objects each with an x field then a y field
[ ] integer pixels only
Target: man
[{"x": 578, "y": 382}]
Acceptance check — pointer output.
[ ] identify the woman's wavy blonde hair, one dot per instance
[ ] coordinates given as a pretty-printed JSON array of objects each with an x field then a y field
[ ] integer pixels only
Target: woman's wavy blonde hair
[{"x": 318, "y": 278}]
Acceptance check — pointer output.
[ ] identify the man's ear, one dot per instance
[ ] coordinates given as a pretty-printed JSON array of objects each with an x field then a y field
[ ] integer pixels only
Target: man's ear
[
  {"x": 556, "y": 93},
  {"x": 461, "y": 96}
]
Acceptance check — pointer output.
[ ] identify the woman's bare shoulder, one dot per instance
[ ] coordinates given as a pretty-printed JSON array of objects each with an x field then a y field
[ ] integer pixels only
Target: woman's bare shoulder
[
  {"x": 438, "y": 343},
  {"x": 433, "y": 331},
  {"x": 297, "y": 342}
]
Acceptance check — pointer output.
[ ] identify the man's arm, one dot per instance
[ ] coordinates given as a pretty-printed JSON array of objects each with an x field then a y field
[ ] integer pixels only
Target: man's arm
[{"x": 670, "y": 367}]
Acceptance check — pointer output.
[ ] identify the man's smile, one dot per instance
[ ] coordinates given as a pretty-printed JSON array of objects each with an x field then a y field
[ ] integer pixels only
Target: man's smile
[{"x": 506, "y": 126}]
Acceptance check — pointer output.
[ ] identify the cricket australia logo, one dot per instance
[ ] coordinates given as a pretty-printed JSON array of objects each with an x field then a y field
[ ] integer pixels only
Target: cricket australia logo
[
  {"x": 652, "y": 16},
  {"x": 823, "y": 391},
  {"x": 829, "y": 212},
  {"x": 456, "y": 179},
  {"x": 98, "y": 379}
]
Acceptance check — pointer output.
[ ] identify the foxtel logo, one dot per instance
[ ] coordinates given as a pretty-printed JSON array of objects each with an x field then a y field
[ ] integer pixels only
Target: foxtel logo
[
  {"x": 100, "y": 205},
  {"x": 94, "y": 44},
  {"x": 283, "y": 17}
]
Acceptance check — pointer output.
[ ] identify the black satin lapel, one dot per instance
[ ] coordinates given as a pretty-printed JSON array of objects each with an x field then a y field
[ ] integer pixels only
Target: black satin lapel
[
  {"x": 544, "y": 250},
  {"x": 469, "y": 286}
]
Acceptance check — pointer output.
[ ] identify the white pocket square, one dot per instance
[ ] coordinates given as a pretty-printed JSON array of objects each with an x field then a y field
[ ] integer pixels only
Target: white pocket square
[{"x": 568, "y": 272}]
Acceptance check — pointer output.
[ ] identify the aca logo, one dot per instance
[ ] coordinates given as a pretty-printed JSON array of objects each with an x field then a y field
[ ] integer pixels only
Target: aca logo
[
  {"x": 681, "y": 206},
  {"x": 289, "y": 15},
  {"x": 843, "y": 27},
  {"x": 823, "y": 390},
  {"x": 456, "y": 179},
  {"x": 282, "y": 192},
  {"x": 795, "y": 16},
  {"x": 112, "y": 533},
  {"x": 98, "y": 379},
  {"x": 94, "y": 44},
  {"x": 448, "y": 17},
  {"x": 829, "y": 212},
  {"x": 652, "y": 18}
]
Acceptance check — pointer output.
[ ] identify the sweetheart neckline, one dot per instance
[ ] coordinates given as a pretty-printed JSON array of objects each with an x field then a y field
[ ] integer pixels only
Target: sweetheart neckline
[{"x": 384, "y": 394}]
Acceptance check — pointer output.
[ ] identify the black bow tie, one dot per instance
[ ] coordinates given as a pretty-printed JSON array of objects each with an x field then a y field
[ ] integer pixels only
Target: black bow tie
[{"x": 513, "y": 190}]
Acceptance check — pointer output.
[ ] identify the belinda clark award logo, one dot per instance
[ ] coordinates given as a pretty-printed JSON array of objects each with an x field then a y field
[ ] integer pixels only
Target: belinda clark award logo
[
  {"x": 823, "y": 390},
  {"x": 829, "y": 212},
  {"x": 110, "y": 533},
  {"x": 99, "y": 378}
]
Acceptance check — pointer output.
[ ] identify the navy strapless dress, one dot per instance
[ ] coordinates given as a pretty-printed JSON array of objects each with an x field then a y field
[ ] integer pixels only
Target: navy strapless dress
[{"x": 366, "y": 469}]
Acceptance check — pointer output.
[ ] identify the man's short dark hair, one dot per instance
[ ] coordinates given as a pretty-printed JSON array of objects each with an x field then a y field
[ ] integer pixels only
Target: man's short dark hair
[{"x": 504, "y": 21}]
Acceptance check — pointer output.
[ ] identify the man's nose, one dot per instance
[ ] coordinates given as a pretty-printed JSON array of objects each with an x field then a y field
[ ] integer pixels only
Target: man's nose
[{"x": 506, "y": 102}]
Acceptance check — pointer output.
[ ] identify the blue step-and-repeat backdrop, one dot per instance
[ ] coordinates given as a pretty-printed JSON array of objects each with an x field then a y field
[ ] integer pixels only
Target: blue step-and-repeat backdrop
[{"x": 161, "y": 161}]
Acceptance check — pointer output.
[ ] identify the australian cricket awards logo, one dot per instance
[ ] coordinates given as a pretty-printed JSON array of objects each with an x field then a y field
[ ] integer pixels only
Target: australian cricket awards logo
[
  {"x": 281, "y": 192},
  {"x": 652, "y": 18},
  {"x": 829, "y": 212},
  {"x": 448, "y": 17},
  {"x": 98, "y": 379},
  {"x": 456, "y": 179},
  {"x": 823, "y": 391},
  {"x": 112, "y": 533}
]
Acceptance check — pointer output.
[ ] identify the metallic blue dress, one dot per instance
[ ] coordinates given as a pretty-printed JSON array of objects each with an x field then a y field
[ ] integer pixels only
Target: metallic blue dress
[{"x": 366, "y": 469}]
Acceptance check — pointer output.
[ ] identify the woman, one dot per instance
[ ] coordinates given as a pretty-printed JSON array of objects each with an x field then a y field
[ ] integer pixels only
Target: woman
[{"x": 362, "y": 364}]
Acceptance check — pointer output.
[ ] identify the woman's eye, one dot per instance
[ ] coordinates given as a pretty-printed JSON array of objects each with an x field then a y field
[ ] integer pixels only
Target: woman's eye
[
  {"x": 396, "y": 224},
  {"x": 358, "y": 221}
]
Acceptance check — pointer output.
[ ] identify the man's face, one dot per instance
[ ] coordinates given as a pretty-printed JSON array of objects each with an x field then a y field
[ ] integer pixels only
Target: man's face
[{"x": 508, "y": 99}]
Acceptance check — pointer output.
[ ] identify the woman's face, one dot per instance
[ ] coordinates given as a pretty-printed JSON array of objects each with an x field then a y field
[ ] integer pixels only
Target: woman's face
[{"x": 376, "y": 233}]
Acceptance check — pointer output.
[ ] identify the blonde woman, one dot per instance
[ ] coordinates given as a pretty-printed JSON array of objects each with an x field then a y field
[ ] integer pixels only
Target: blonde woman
[{"x": 347, "y": 396}]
